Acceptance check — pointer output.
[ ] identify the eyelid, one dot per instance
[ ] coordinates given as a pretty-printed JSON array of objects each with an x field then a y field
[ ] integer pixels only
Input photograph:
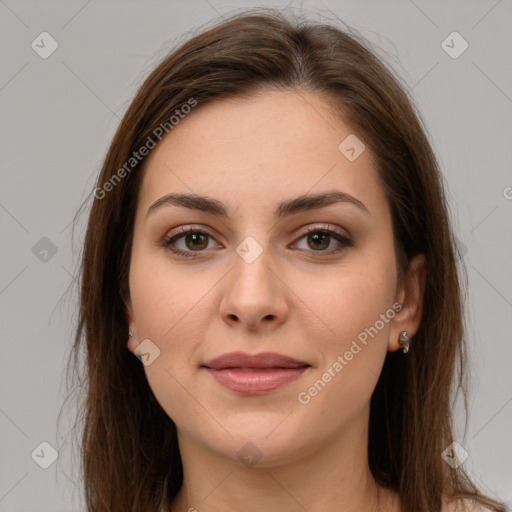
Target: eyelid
[
  {"x": 188, "y": 227},
  {"x": 305, "y": 230},
  {"x": 323, "y": 227},
  {"x": 182, "y": 231},
  {"x": 344, "y": 239}
]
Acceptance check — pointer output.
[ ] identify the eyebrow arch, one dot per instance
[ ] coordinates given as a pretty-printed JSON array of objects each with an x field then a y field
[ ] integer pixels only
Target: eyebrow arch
[{"x": 286, "y": 208}]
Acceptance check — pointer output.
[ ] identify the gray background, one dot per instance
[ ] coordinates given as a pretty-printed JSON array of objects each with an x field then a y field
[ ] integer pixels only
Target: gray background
[{"x": 59, "y": 114}]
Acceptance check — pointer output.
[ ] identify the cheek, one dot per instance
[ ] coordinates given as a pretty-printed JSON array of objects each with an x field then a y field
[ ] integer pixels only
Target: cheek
[
  {"x": 354, "y": 310},
  {"x": 352, "y": 299},
  {"x": 167, "y": 299},
  {"x": 352, "y": 351},
  {"x": 169, "y": 309}
]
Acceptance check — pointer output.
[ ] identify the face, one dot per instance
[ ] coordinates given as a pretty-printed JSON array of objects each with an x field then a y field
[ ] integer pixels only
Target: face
[{"x": 313, "y": 282}]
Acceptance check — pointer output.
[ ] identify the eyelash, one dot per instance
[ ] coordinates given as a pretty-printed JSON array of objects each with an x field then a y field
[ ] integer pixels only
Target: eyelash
[{"x": 324, "y": 229}]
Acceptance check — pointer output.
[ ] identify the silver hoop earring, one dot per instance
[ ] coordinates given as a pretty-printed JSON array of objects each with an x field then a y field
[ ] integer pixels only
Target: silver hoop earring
[
  {"x": 130, "y": 334},
  {"x": 404, "y": 341}
]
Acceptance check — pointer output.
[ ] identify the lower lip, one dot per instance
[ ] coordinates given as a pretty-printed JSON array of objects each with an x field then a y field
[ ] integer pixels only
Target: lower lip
[{"x": 256, "y": 381}]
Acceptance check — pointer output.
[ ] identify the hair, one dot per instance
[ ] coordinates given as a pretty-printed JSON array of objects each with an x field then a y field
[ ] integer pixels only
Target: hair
[{"x": 129, "y": 450}]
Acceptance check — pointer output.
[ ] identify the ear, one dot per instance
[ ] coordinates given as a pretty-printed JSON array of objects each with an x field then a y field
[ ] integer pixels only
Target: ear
[
  {"x": 410, "y": 296},
  {"x": 132, "y": 341}
]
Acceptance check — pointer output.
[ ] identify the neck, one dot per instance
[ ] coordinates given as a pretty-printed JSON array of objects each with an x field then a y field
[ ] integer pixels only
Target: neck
[{"x": 331, "y": 475}]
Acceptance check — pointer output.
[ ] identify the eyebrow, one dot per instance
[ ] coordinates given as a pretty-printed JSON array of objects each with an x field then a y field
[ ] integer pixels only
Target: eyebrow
[{"x": 286, "y": 208}]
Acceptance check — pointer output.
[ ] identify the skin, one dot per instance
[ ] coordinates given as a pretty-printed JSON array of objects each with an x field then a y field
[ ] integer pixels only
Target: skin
[{"x": 294, "y": 299}]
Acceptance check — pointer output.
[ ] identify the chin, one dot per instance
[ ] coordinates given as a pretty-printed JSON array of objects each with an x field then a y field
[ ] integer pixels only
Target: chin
[{"x": 259, "y": 442}]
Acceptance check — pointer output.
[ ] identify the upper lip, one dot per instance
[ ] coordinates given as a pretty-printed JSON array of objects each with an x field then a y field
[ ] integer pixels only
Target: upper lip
[{"x": 261, "y": 360}]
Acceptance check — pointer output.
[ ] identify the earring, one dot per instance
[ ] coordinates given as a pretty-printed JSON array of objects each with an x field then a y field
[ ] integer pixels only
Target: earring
[
  {"x": 404, "y": 341},
  {"x": 130, "y": 334}
]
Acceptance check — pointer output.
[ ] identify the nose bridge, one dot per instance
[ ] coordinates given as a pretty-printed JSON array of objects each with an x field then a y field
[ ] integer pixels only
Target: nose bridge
[
  {"x": 253, "y": 293},
  {"x": 252, "y": 264}
]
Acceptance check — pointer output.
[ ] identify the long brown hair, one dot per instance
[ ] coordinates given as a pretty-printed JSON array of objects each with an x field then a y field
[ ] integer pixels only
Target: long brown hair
[{"x": 129, "y": 450}]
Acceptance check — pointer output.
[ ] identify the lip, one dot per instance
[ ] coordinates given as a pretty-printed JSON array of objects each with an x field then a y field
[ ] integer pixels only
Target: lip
[
  {"x": 261, "y": 360},
  {"x": 255, "y": 374}
]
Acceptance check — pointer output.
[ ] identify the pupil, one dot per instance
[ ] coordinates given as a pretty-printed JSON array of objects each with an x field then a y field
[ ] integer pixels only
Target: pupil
[
  {"x": 324, "y": 237},
  {"x": 195, "y": 237}
]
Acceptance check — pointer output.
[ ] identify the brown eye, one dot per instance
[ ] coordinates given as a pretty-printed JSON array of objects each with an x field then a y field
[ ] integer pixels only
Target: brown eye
[
  {"x": 196, "y": 240},
  {"x": 319, "y": 240},
  {"x": 193, "y": 241}
]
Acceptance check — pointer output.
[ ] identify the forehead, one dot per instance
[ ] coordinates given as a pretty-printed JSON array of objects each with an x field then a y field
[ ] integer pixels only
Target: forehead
[{"x": 266, "y": 146}]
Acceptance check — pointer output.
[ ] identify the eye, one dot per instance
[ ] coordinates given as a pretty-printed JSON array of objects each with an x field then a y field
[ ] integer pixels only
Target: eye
[
  {"x": 320, "y": 237},
  {"x": 194, "y": 240}
]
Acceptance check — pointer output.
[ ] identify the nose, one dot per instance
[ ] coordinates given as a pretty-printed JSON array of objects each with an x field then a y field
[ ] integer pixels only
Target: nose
[{"x": 255, "y": 295}]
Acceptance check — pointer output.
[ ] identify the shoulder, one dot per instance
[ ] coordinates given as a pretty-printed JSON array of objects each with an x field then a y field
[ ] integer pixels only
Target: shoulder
[{"x": 464, "y": 505}]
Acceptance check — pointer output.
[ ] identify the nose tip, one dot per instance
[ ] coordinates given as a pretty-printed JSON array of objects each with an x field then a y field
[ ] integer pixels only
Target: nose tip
[{"x": 253, "y": 297}]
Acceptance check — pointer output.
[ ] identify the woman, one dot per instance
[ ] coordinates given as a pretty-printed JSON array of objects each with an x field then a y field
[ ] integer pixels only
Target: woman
[{"x": 270, "y": 238}]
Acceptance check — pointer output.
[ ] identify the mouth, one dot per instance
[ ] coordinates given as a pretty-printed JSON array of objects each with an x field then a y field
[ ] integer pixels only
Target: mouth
[
  {"x": 251, "y": 381},
  {"x": 255, "y": 374}
]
